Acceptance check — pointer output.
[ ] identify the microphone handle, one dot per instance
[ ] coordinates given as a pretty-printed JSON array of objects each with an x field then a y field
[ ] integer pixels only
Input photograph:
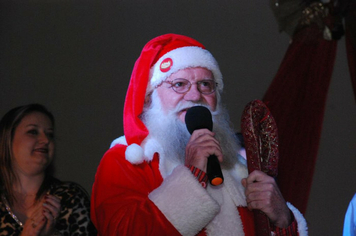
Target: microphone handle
[{"x": 214, "y": 173}]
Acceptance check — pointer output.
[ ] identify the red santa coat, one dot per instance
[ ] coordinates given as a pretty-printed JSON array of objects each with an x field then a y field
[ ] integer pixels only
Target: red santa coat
[
  {"x": 134, "y": 199},
  {"x": 136, "y": 192}
]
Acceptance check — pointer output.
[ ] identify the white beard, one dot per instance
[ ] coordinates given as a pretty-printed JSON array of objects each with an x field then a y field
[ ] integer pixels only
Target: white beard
[{"x": 173, "y": 136}]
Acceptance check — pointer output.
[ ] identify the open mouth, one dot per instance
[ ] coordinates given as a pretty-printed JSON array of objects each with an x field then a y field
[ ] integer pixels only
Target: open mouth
[
  {"x": 184, "y": 110},
  {"x": 41, "y": 150}
]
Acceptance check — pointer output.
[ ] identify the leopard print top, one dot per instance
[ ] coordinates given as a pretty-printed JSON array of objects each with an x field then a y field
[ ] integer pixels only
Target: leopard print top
[{"x": 74, "y": 218}]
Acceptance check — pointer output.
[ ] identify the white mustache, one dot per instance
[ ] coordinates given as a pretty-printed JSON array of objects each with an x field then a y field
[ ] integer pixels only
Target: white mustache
[{"x": 186, "y": 105}]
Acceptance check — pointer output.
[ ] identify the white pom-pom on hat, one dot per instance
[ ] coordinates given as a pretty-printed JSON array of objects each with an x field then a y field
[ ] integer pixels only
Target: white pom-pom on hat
[{"x": 134, "y": 154}]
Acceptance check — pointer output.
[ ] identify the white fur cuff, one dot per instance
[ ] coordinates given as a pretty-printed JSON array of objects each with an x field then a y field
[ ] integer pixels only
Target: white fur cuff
[
  {"x": 302, "y": 224},
  {"x": 184, "y": 202}
]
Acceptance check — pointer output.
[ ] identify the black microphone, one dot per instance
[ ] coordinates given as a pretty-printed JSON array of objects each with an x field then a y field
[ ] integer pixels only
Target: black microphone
[{"x": 199, "y": 117}]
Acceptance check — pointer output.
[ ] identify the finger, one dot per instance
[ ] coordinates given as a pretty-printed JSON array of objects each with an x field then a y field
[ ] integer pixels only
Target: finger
[
  {"x": 55, "y": 201},
  {"x": 259, "y": 196},
  {"x": 37, "y": 226},
  {"x": 205, "y": 141},
  {"x": 41, "y": 224},
  {"x": 49, "y": 216},
  {"x": 200, "y": 154},
  {"x": 51, "y": 212},
  {"x": 203, "y": 147},
  {"x": 49, "y": 208},
  {"x": 257, "y": 205},
  {"x": 203, "y": 134},
  {"x": 212, "y": 149},
  {"x": 210, "y": 146},
  {"x": 258, "y": 176},
  {"x": 200, "y": 132},
  {"x": 244, "y": 182},
  {"x": 260, "y": 187},
  {"x": 37, "y": 215},
  {"x": 52, "y": 204}
]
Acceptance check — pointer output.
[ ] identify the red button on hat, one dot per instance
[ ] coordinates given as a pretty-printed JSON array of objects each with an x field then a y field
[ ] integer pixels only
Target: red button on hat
[{"x": 166, "y": 65}]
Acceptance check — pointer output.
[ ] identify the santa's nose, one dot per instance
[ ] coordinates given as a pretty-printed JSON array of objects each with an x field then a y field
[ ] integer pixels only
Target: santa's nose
[{"x": 193, "y": 94}]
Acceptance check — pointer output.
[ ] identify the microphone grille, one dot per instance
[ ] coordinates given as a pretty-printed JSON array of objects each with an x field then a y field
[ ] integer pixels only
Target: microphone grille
[{"x": 198, "y": 117}]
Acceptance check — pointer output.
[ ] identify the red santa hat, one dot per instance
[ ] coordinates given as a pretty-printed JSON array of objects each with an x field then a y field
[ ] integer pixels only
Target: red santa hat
[{"x": 160, "y": 57}]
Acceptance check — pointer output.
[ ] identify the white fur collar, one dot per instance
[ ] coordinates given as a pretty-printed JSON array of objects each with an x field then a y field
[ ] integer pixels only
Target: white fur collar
[{"x": 136, "y": 154}]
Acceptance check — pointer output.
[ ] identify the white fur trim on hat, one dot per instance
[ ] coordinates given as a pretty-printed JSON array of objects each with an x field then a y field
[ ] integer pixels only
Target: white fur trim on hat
[
  {"x": 182, "y": 58},
  {"x": 119, "y": 140}
]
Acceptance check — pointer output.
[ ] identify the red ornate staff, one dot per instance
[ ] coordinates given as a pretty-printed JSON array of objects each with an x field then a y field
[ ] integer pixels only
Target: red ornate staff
[{"x": 260, "y": 134}]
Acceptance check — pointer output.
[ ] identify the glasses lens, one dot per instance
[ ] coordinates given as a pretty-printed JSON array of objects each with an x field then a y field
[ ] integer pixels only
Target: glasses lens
[
  {"x": 180, "y": 85},
  {"x": 206, "y": 86}
]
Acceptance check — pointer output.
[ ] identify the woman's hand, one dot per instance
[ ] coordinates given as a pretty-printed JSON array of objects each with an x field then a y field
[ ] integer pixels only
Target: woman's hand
[
  {"x": 43, "y": 220},
  {"x": 35, "y": 223},
  {"x": 51, "y": 210}
]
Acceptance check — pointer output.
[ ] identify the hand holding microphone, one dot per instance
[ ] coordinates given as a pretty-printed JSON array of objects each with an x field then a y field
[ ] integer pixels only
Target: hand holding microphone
[{"x": 197, "y": 118}]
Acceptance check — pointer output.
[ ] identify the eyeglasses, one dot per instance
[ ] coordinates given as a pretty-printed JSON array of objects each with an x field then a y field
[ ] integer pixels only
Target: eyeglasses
[{"x": 183, "y": 86}]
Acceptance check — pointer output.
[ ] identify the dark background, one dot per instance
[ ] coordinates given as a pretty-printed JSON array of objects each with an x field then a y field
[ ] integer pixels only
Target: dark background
[{"x": 76, "y": 57}]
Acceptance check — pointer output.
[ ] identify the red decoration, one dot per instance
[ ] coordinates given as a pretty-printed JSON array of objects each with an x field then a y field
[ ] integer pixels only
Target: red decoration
[{"x": 260, "y": 135}]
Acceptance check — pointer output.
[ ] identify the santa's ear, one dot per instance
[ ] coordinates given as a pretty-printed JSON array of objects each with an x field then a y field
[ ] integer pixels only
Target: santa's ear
[{"x": 148, "y": 99}]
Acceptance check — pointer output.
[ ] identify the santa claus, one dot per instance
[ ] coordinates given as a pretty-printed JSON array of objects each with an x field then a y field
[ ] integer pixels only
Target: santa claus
[{"x": 153, "y": 180}]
